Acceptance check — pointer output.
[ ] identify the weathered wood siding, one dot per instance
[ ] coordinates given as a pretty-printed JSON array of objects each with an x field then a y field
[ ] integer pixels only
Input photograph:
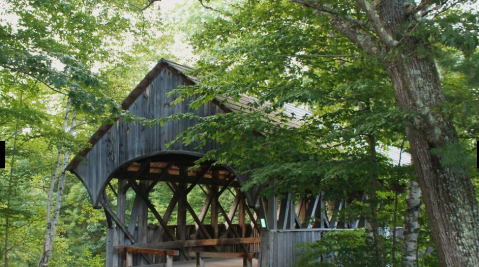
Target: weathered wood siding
[
  {"x": 125, "y": 142},
  {"x": 278, "y": 247}
]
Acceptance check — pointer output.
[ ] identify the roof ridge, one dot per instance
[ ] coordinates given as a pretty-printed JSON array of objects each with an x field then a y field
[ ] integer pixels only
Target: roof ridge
[
  {"x": 167, "y": 61},
  {"x": 129, "y": 100}
]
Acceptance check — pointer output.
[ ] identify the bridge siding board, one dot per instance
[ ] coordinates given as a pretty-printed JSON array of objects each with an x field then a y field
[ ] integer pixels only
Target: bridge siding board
[
  {"x": 124, "y": 142},
  {"x": 281, "y": 245},
  {"x": 121, "y": 143}
]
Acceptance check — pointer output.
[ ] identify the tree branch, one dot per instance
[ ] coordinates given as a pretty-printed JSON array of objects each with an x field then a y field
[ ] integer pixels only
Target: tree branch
[
  {"x": 419, "y": 9},
  {"x": 325, "y": 9},
  {"x": 353, "y": 29},
  {"x": 205, "y": 6},
  {"x": 443, "y": 7},
  {"x": 149, "y": 4},
  {"x": 212, "y": 9},
  {"x": 317, "y": 55},
  {"x": 32, "y": 76},
  {"x": 378, "y": 26},
  {"x": 417, "y": 15},
  {"x": 361, "y": 38}
]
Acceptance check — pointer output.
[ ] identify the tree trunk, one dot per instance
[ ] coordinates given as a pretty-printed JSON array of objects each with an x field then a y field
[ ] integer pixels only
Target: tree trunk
[
  {"x": 52, "y": 221},
  {"x": 411, "y": 225},
  {"x": 448, "y": 193}
]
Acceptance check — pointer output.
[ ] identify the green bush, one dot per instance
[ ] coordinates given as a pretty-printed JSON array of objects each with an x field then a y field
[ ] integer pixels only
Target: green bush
[{"x": 340, "y": 249}]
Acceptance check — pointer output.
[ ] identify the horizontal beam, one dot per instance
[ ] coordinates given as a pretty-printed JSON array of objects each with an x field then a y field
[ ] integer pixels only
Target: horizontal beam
[
  {"x": 175, "y": 179},
  {"x": 221, "y": 255},
  {"x": 153, "y": 251},
  {"x": 201, "y": 243}
]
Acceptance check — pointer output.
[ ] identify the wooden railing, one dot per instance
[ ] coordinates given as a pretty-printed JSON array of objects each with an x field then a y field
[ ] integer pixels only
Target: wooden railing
[
  {"x": 200, "y": 257},
  {"x": 169, "y": 249},
  {"x": 129, "y": 250},
  {"x": 279, "y": 247}
]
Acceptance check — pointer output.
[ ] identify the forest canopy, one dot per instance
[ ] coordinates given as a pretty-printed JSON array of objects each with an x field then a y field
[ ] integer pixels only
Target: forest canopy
[{"x": 353, "y": 65}]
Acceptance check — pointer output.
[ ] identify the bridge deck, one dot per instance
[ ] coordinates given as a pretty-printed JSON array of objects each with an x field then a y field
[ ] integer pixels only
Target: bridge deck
[{"x": 210, "y": 263}]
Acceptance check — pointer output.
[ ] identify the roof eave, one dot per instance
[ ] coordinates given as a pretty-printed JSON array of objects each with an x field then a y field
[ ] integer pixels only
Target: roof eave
[{"x": 130, "y": 99}]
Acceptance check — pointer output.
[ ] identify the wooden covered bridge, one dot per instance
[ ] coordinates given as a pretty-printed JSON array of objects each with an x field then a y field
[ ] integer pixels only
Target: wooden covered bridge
[{"x": 128, "y": 161}]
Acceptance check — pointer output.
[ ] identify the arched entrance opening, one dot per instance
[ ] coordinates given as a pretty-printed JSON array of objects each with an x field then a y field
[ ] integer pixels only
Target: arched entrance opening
[
  {"x": 157, "y": 201},
  {"x": 164, "y": 202}
]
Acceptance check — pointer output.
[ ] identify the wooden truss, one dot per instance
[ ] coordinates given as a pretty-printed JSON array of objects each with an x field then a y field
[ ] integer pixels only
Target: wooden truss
[
  {"x": 310, "y": 212},
  {"x": 232, "y": 229}
]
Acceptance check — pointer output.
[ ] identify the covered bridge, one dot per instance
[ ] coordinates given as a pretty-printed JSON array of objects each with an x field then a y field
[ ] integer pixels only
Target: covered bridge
[{"x": 127, "y": 161}]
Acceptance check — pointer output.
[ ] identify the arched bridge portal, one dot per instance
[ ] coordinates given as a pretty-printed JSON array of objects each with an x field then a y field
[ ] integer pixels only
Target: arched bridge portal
[
  {"x": 219, "y": 221},
  {"x": 128, "y": 161},
  {"x": 145, "y": 187}
]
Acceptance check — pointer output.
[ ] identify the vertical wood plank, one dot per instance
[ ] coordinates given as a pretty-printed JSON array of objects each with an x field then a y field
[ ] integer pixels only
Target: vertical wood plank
[
  {"x": 143, "y": 220},
  {"x": 272, "y": 213},
  {"x": 115, "y": 255},
  {"x": 169, "y": 261},
  {"x": 182, "y": 209},
  {"x": 292, "y": 216},
  {"x": 109, "y": 246},
  {"x": 214, "y": 211},
  {"x": 129, "y": 259},
  {"x": 284, "y": 212},
  {"x": 274, "y": 248},
  {"x": 242, "y": 215},
  {"x": 121, "y": 207}
]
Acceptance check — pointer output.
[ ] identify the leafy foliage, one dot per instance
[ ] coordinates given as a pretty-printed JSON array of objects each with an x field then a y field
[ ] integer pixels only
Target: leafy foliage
[
  {"x": 280, "y": 61},
  {"x": 281, "y": 54},
  {"x": 53, "y": 52},
  {"x": 346, "y": 248}
]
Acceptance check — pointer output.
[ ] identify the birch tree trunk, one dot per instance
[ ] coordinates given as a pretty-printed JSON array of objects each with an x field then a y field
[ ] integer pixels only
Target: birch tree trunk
[
  {"x": 60, "y": 174},
  {"x": 411, "y": 225}
]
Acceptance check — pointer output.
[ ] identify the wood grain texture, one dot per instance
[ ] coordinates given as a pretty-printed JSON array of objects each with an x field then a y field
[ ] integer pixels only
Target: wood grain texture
[
  {"x": 124, "y": 142},
  {"x": 280, "y": 245}
]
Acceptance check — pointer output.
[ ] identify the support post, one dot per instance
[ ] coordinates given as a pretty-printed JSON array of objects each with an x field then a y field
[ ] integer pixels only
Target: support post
[
  {"x": 272, "y": 211},
  {"x": 109, "y": 246},
  {"x": 129, "y": 259},
  {"x": 120, "y": 210},
  {"x": 200, "y": 262},
  {"x": 242, "y": 215},
  {"x": 169, "y": 260},
  {"x": 181, "y": 219},
  {"x": 214, "y": 211},
  {"x": 247, "y": 262},
  {"x": 143, "y": 221},
  {"x": 183, "y": 199},
  {"x": 284, "y": 213}
]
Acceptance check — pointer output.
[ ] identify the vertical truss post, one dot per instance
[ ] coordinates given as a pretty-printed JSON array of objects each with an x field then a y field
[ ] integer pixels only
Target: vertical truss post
[
  {"x": 284, "y": 212},
  {"x": 272, "y": 211},
  {"x": 143, "y": 222},
  {"x": 120, "y": 210},
  {"x": 242, "y": 215},
  {"x": 214, "y": 211}
]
